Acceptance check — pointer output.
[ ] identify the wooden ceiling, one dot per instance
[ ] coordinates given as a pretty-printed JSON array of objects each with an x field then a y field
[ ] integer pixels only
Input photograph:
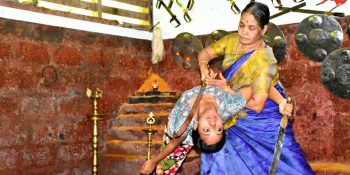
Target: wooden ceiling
[{"x": 134, "y": 14}]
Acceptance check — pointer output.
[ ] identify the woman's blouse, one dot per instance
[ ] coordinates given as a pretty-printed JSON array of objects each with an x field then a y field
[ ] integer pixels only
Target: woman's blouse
[{"x": 260, "y": 69}]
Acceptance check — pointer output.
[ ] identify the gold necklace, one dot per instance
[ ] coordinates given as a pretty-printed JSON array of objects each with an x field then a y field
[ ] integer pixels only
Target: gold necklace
[{"x": 254, "y": 48}]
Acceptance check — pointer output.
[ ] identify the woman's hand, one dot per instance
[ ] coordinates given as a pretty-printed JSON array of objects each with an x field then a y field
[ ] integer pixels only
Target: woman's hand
[
  {"x": 207, "y": 74},
  {"x": 148, "y": 167},
  {"x": 286, "y": 108},
  {"x": 221, "y": 82},
  {"x": 204, "y": 71}
]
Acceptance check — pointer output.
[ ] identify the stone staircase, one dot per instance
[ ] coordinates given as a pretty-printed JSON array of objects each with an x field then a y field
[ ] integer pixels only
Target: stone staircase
[{"x": 127, "y": 142}]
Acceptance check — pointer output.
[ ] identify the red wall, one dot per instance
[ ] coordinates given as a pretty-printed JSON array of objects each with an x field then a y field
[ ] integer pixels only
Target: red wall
[
  {"x": 44, "y": 73},
  {"x": 322, "y": 125}
]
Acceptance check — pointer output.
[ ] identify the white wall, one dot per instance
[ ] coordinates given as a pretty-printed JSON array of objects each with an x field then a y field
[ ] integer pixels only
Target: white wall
[
  {"x": 210, "y": 15},
  {"x": 207, "y": 16}
]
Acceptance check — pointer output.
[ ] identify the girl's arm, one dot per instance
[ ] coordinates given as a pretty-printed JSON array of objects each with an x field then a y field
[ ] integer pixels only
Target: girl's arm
[{"x": 149, "y": 166}]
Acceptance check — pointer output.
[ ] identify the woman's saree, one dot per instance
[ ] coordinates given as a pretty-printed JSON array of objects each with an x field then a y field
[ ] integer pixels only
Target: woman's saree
[{"x": 250, "y": 142}]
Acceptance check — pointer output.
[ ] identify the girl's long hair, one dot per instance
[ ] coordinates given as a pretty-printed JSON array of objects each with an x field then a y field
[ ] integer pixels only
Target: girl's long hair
[{"x": 197, "y": 141}]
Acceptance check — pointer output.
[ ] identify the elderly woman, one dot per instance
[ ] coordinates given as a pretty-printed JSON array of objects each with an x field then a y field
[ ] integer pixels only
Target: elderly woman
[{"x": 252, "y": 134}]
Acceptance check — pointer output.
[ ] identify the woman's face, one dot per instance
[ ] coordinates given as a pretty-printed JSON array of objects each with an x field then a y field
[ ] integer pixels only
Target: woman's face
[
  {"x": 210, "y": 127},
  {"x": 249, "y": 30}
]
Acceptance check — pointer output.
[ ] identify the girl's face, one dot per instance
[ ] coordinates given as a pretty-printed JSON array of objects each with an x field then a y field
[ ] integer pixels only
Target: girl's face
[
  {"x": 249, "y": 30},
  {"x": 210, "y": 127}
]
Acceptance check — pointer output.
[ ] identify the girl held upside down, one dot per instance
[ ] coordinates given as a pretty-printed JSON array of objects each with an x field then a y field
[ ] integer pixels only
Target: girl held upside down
[{"x": 216, "y": 106}]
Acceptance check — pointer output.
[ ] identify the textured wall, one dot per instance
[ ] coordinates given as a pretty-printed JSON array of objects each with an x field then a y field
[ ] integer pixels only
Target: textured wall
[
  {"x": 322, "y": 125},
  {"x": 44, "y": 73}
]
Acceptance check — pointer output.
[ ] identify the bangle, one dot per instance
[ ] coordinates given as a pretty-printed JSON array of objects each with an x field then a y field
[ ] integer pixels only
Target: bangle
[{"x": 201, "y": 62}]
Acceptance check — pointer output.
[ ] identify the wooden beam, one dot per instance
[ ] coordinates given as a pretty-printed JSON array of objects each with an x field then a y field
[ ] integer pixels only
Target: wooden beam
[
  {"x": 142, "y": 3},
  {"x": 126, "y": 13}
]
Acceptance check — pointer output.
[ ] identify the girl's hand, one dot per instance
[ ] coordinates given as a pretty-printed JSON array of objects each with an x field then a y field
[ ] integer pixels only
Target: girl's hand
[
  {"x": 159, "y": 170},
  {"x": 221, "y": 82},
  {"x": 148, "y": 167}
]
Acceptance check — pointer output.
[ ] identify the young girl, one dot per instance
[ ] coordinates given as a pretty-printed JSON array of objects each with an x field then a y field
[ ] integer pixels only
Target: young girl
[{"x": 215, "y": 107}]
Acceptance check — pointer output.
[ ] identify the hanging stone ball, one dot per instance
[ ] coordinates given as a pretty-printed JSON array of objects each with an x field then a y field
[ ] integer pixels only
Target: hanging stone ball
[
  {"x": 216, "y": 35},
  {"x": 315, "y": 21},
  {"x": 323, "y": 32},
  {"x": 321, "y": 54},
  {"x": 279, "y": 41},
  {"x": 327, "y": 75},
  {"x": 344, "y": 74},
  {"x": 336, "y": 37},
  {"x": 187, "y": 38},
  {"x": 335, "y": 73},
  {"x": 345, "y": 55},
  {"x": 318, "y": 37},
  {"x": 187, "y": 65},
  {"x": 187, "y": 58},
  {"x": 268, "y": 40},
  {"x": 301, "y": 38}
]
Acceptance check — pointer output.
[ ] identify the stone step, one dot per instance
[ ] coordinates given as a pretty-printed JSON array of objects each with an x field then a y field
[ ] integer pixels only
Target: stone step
[
  {"x": 138, "y": 147},
  {"x": 192, "y": 155},
  {"x": 133, "y": 133},
  {"x": 128, "y": 108},
  {"x": 152, "y": 99},
  {"x": 125, "y": 147},
  {"x": 122, "y": 164},
  {"x": 140, "y": 119},
  {"x": 149, "y": 93}
]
